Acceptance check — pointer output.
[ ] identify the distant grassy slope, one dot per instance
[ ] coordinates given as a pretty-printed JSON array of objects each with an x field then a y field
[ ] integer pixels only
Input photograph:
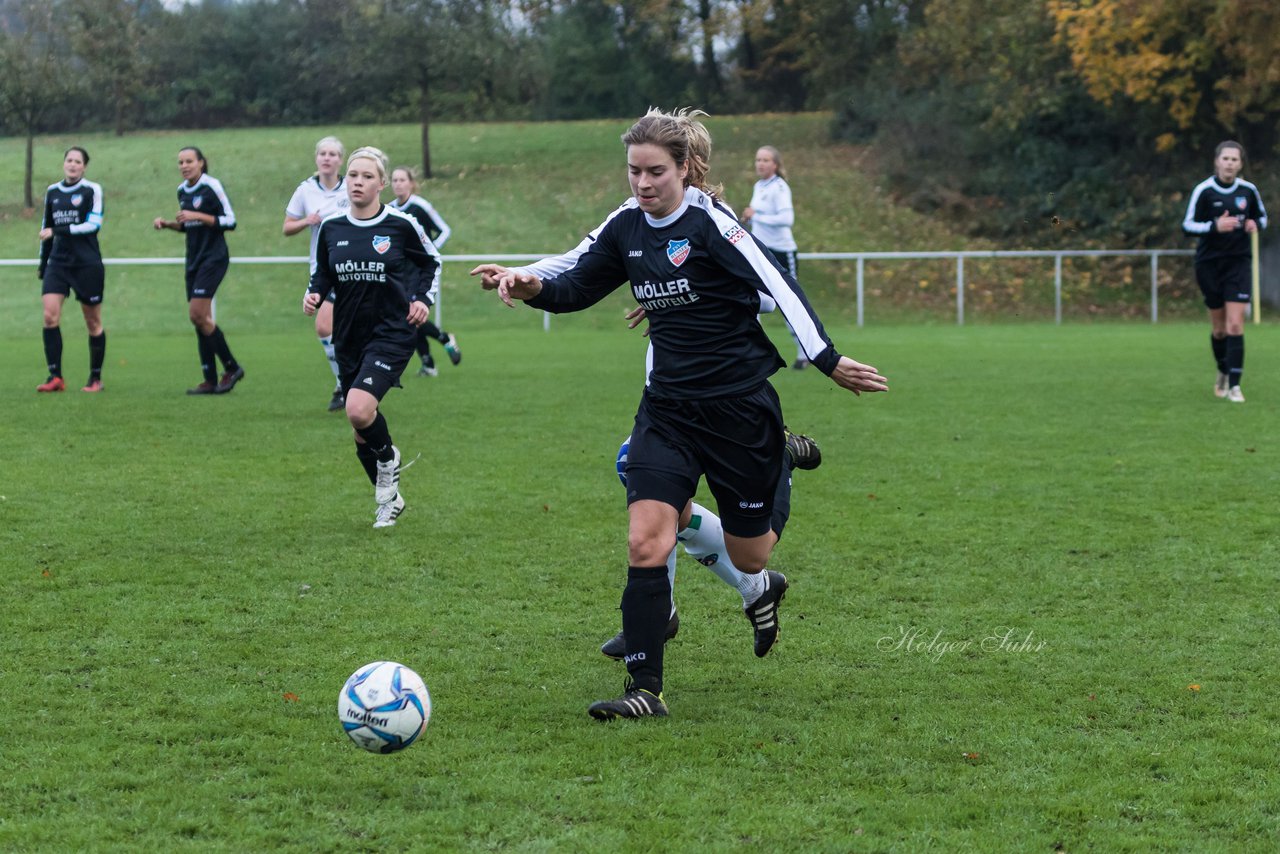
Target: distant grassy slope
[
  {"x": 503, "y": 187},
  {"x": 538, "y": 187}
]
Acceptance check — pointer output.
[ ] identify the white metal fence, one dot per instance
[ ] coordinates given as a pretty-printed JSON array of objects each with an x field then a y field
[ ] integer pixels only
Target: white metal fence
[{"x": 860, "y": 258}]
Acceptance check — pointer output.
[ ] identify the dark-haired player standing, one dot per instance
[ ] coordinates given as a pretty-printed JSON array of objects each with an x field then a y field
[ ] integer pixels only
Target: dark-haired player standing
[
  {"x": 1223, "y": 211},
  {"x": 384, "y": 273},
  {"x": 708, "y": 409},
  {"x": 204, "y": 215},
  {"x": 406, "y": 200},
  {"x": 70, "y": 260}
]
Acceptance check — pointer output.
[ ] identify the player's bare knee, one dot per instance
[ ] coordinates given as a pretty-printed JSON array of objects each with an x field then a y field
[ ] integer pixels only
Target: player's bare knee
[{"x": 648, "y": 548}]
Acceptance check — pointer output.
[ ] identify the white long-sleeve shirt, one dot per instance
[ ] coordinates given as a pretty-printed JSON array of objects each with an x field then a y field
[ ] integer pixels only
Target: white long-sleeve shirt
[{"x": 773, "y": 214}]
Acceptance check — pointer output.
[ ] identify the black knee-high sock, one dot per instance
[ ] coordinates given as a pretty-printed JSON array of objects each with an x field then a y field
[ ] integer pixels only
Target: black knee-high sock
[
  {"x": 224, "y": 352},
  {"x": 435, "y": 332},
  {"x": 369, "y": 460},
  {"x": 424, "y": 347},
  {"x": 97, "y": 353},
  {"x": 204, "y": 343},
  {"x": 1219, "y": 351},
  {"x": 378, "y": 438},
  {"x": 646, "y": 608},
  {"x": 53, "y": 350},
  {"x": 1235, "y": 358}
]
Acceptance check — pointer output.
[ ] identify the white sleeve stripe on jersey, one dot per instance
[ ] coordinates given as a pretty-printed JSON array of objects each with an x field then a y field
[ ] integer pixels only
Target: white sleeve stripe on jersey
[
  {"x": 802, "y": 323},
  {"x": 557, "y": 264},
  {"x": 228, "y": 218},
  {"x": 1189, "y": 223}
]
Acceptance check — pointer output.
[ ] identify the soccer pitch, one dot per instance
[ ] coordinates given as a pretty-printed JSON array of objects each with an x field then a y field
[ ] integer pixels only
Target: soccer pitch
[{"x": 1033, "y": 600}]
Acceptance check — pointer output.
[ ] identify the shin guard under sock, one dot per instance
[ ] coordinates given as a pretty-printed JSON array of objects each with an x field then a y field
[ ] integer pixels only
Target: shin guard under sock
[{"x": 646, "y": 609}]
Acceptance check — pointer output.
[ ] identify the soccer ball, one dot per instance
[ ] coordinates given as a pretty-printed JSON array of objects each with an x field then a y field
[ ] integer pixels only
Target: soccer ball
[
  {"x": 622, "y": 460},
  {"x": 384, "y": 707}
]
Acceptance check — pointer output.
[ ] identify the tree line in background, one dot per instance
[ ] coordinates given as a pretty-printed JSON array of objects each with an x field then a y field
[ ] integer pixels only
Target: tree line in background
[{"x": 1055, "y": 120}]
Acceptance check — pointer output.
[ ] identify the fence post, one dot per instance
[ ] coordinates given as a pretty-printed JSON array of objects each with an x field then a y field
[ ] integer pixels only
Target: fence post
[
  {"x": 1155, "y": 271},
  {"x": 960, "y": 290},
  {"x": 1057, "y": 289},
  {"x": 861, "y": 261}
]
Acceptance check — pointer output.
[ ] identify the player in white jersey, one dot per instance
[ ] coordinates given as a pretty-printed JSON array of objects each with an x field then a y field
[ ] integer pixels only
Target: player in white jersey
[
  {"x": 316, "y": 198},
  {"x": 407, "y": 200},
  {"x": 771, "y": 217}
]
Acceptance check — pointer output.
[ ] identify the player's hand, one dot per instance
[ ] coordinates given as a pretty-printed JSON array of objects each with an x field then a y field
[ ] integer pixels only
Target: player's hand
[
  {"x": 518, "y": 286},
  {"x": 45, "y": 234},
  {"x": 1225, "y": 223},
  {"x": 1250, "y": 226},
  {"x": 310, "y": 303},
  {"x": 489, "y": 275},
  {"x": 313, "y": 218},
  {"x": 635, "y": 317},
  {"x": 159, "y": 223},
  {"x": 747, "y": 213},
  {"x": 418, "y": 312},
  {"x": 857, "y": 377}
]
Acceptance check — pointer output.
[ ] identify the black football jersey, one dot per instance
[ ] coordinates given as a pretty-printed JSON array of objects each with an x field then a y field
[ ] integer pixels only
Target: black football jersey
[
  {"x": 699, "y": 276},
  {"x": 206, "y": 242},
  {"x": 1208, "y": 202},
  {"x": 427, "y": 216},
  {"x": 75, "y": 214},
  {"x": 375, "y": 267}
]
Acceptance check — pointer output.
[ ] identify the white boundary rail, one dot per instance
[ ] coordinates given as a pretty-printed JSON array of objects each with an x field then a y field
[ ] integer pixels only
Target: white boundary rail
[{"x": 859, "y": 257}]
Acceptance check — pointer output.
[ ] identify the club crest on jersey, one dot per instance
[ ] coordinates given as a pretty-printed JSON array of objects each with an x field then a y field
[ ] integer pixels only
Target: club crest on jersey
[
  {"x": 195, "y": 201},
  {"x": 381, "y": 244},
  {"x": 1242, "y": 203},
  {"x": 678, "y": 251},
  {"x": 77, "y": 199}
]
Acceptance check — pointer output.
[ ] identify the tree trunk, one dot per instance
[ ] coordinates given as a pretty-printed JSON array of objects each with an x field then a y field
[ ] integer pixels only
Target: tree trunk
[{"x": 27, "y": 197}]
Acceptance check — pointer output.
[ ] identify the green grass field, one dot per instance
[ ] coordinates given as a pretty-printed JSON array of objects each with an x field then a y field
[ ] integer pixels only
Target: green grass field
[{"x": 188, "y": 581}]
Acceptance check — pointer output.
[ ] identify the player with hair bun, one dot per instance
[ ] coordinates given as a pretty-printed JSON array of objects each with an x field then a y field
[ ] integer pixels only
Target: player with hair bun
[
  {"x": 708, "y": 409},
  {"x": 204, "y": 216},
  {"x": 405, "y": 186},
  {"x": 70, "y": 260},
  {"x": 316, "y": 198},
  {"x": 384, "y": 274}
]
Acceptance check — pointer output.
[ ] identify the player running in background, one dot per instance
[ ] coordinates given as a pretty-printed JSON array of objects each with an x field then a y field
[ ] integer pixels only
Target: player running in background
[
  {"x": 405, "y": 187},
  {"x": 70, "y": 260},
  {"x": 384, "y": 273},
  {"x": 771, "y": 217},
  {"x": 204, "y": 216},
  {"x": 316, "y": 198},
  {"x": 708, "y": 409},
  {"x": 1223, "y": 210}
]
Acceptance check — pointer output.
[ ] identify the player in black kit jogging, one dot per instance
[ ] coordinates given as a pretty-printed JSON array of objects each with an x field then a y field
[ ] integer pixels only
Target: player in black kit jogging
[
  {"x": 1223, "y": 211},
  {"x": 708, "y": 409},
  {"x": 204, "y": 215},
  {"x": 384, "y": 273},
  {"x": 70, "y": 260}
]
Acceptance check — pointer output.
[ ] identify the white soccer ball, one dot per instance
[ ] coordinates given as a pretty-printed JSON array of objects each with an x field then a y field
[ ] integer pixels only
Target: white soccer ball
[{"x": 384, "y": 707}]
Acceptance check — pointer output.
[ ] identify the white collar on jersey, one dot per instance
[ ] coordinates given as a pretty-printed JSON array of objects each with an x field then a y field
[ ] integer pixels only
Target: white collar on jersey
[
  {"x": 335, "y": 188},
  {"x": 365, "y": 223},
  {"x": 692, "y": 195}
]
